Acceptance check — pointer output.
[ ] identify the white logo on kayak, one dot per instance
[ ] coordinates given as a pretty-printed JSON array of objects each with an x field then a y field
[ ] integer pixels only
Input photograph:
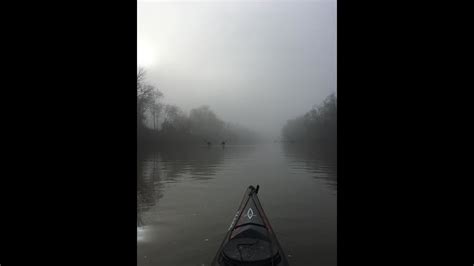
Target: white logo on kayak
[{"x": 250, "y": 213}]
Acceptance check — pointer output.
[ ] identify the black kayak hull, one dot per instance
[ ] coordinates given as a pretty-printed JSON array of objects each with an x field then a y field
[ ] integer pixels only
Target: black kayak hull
[{"x": 250, "y": 239}]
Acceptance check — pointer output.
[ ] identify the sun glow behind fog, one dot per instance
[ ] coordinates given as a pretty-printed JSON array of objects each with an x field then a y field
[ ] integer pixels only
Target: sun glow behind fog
[{"x": 146, "y": 56}]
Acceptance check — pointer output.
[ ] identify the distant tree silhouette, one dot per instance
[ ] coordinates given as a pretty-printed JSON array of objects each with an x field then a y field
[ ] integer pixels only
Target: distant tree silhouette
[
  {"x": 147, "y": 100},
  {"x": 319, "y": 125},
  {"x": 163, "y": 123}
]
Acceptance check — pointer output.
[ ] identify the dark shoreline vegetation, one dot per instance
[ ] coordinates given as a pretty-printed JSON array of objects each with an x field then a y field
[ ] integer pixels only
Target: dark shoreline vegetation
[
  {"x": 160, "y": 124},
  {"x": 163, "y": 125},
  {"x": 315, "y": 129}
]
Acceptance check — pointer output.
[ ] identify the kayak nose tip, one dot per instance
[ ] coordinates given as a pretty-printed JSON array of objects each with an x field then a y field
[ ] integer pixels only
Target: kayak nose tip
[{"x": 253, "y": 189}]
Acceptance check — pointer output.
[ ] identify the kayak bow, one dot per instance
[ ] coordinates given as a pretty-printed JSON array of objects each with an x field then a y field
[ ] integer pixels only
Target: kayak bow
[{"x": 250, "y": 239}]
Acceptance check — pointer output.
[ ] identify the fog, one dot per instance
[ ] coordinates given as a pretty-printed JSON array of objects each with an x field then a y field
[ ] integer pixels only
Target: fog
[{"x": 257, "y": 64}]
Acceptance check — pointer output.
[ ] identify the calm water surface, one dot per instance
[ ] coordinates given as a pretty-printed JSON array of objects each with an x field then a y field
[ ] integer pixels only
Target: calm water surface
[{"x": 188, "y": 197}]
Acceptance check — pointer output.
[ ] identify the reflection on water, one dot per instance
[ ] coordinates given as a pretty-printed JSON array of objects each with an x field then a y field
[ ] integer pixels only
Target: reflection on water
[
  {"x": 188, "y": 196},
  {"x": 321, "y": 162},
  {"x": 148, "y": 183},
  {"x": 199, "y": 162},
  {"x": 156, "y": 168}
]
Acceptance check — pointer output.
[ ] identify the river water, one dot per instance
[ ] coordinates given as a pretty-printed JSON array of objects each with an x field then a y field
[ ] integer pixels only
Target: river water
[{"x": 186, "y": 199}]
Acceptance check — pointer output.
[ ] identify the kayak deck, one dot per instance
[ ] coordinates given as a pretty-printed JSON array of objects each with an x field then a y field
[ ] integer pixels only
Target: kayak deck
[{"x": 250, "y": 239}]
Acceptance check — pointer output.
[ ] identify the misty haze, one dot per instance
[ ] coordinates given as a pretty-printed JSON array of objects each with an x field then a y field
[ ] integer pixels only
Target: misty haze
[{"x": 232, "y": 94}]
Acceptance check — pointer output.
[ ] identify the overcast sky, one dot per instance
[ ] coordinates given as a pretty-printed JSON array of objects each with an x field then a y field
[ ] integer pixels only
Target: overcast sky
[{"x": 254, "y": 63}]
